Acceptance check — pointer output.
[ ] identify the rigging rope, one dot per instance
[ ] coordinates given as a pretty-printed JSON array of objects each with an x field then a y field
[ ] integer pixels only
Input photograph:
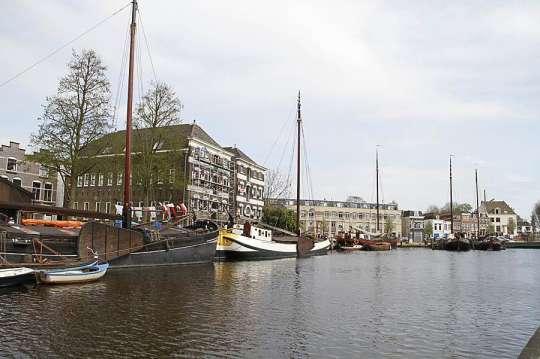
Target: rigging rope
[
  {"x": 147, "y": 46},
  {"x": 121, "y": 76},
  {"x": 54, "y": 52}
]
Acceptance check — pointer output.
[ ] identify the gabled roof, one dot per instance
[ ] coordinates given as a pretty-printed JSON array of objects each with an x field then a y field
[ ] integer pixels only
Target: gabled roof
[
  {"x": 501, "y": 205},
  {"x": 238, "y": 153}
]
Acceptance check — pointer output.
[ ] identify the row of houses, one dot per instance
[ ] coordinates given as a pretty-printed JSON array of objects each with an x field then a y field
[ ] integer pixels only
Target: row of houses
[
  {"x": 212, "y": 180},
  {"x": 496, "y": 217}
]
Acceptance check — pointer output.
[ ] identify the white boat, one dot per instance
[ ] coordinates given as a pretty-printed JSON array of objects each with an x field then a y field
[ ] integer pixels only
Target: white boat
[
  {"x": 15, "y": 276},
  {"x": 82, "y": 274},
  {"x": 253, "y": 242}
]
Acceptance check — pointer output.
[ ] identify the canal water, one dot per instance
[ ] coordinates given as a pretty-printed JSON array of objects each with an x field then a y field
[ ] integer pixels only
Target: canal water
[{"x": 407, "y": 303}]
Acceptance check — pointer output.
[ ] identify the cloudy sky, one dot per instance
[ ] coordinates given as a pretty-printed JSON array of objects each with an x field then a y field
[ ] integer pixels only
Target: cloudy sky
[{"x": 423, "y": 79}]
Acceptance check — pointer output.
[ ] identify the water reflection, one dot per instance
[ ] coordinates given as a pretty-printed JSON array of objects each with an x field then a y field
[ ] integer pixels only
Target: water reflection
[{"x": 404, "y": 303}]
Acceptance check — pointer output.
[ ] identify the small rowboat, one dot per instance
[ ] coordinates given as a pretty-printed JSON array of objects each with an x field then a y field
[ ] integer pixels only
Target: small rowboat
[
  {"x": 16, "y": 276},
  {"x": 83, "y": 274}
]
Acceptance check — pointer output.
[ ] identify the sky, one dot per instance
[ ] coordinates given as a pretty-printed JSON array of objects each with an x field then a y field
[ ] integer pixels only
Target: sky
[{"x": 421, "y": 79}]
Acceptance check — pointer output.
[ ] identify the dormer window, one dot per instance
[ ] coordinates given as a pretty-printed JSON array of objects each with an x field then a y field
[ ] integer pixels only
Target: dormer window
[
  {"x": 496, "y": 211},
  {"x": 158, "y": 145},
  {"x": 12, "y": 164}
]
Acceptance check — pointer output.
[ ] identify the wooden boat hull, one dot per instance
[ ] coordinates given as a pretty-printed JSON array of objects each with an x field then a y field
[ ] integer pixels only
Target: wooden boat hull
[
  {"x": 16, "y": 276},
  {"x": 84, "y": 274},
  {"x": 234, "y": 247},
  {"x": 457, "y": 245},
  {"x": 378, "y": 246}
]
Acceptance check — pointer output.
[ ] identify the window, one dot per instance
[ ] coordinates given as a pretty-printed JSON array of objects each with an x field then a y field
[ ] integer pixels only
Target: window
[
  {"x": 87, "y": 180},
  {"x": 43, "y": 172},
  {"x": 17, "y": 181},
  {"x": 75, "y": 205},
  {"x": 498, "y": 219},
  {"x": 101, "y": 179},
  {"x": 79, "y": 181},
  {"x": 109, "y": 179},
  {"x": 36, "y": 190},
  {"x": 92, "y": 180},
  {"x": 86, "y": 205},
  {"x": 158, "y": 145},
  {"x": 98, "y": 207},
  {"x": 171, "y": 175},
  {"x": 496, "y": 211},
  {"x": 119, "y": 178},
  {"x": 47, "y": 192},
  {"x": 12, "y": 164},
  {"x": 107, "y": 207}
]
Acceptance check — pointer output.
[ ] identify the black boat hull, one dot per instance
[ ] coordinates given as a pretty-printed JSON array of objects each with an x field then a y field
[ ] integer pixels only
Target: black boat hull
[
  {"x": 457, "y": 245},
  {"x": 225, "y": 255},
  {"x": 190, "y": 253},
  {"x": 17, "y": 280}
]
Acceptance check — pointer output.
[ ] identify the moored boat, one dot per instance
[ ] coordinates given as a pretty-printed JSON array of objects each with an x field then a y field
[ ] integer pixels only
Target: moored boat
[
  {"x": 377, "y": 245},
  {"x": 489, "y": 244},
  {"x": 253, "y": 242},
  {"x": 16, "y": 276},
  {"x": 82, "y": 274}
]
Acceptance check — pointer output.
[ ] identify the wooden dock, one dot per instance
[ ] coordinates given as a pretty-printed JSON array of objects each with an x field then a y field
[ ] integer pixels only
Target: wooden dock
[{"x": 532, "y": 349}]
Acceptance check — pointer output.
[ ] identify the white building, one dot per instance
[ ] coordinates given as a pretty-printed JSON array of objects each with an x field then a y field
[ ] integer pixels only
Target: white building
[
  {"x": 441, "y": 228},
  {"x": 501, "y": 217},
  {"x": 248, "y": 189}
]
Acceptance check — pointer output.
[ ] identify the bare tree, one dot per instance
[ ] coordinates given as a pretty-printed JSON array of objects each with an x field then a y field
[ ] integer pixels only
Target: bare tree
[
  {"x": 433, "y": 209},
  {"x": 159, "y": 107},
  {"x": 156, "y": 158},
  {"x": 276, "y": 185},
  {"x": 77, "y": 115}
]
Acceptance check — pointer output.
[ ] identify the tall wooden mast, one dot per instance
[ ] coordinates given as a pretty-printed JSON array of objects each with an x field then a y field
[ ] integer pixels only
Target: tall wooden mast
[
  {"x": 451, "y": 200},
  {"x": 299, "y": 125},
  {"x": 477, "y": 206},
  {"x": 126, "y": 211},
  {"x": 377, "y": 184}
]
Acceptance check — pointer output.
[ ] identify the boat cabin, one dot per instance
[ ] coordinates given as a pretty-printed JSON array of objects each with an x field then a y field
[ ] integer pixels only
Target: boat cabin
[{"x": 252, "y": 231}]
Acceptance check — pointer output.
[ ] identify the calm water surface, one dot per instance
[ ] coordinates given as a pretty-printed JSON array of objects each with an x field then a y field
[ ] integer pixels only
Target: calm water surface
[{"x": 411, "y": 303}]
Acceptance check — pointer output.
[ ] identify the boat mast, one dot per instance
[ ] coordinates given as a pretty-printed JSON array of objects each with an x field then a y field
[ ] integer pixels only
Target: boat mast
[
  {"x": 377, "y": 183},
  {"x": 126, "y": 211},
  {"x": 477, "y": 206},
  {"x": 451, "y": 203},
  {"x": 299, "y": 124}
]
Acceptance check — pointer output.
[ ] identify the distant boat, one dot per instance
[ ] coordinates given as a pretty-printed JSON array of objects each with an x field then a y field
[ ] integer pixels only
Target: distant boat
[
  {"x": 489, "y": 244},
  {"x": 16, "y": 276},
  {"x": 455, "y": 243},
  {"x": 82, "y": 274}
]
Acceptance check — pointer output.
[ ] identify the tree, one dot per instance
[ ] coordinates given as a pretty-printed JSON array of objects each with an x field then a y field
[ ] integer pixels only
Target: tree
[
  {"x": 154, "y": 167},
  {"x": 279, "y": 216},
  {"x": 388, "y": 225},
  {"x": 535, "y": 215},
  {"x": 276, "y": 185},
  {"x": 511, "y": 227},
  {"x": 433, "y": 209},
  {"x": 428, "y": 229},
  {"x": 77, "y": 115},
  {"x": 458, "y": 208}
]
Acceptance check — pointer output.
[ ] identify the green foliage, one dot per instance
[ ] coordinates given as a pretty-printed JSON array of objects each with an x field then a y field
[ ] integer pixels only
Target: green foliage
[
  {"x": 280, "y": 216},
  {"x": 388, "y": 226},
  {"x": 511, "y": 227},
  {"x": 458, "y": 208},
  {"x": 428, "y": 229},
  {"x": 535, "y": 215}
]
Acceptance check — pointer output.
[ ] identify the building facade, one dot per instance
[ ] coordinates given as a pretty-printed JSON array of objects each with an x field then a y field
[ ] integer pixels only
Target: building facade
[
  {"x": 248, "y": 186},
  {"x": 441, "y": 228},
  {"x": 412, "y": 223},
  {"x": 27, "y": 174},
  {"x": 190, "y": 168},
  {"x": 502, "y": 218},
  {"x": 328, "y": 218}
]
